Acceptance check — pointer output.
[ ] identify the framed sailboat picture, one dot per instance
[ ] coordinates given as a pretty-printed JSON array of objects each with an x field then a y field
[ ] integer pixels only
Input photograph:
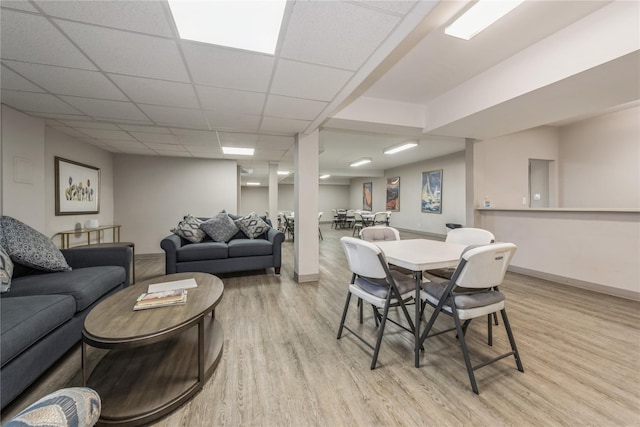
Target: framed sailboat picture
[{"x": 432, "y": 191}]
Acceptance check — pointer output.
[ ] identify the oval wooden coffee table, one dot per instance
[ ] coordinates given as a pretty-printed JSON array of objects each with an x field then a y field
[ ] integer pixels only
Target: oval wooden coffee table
[{"x": 159, "y": 358}]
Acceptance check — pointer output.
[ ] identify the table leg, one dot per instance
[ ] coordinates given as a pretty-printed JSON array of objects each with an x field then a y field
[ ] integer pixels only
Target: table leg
[
  {"x": 84, "y": 364},
  {"x": 201, "y": 352},
  {"x": 418, "y": 276}
]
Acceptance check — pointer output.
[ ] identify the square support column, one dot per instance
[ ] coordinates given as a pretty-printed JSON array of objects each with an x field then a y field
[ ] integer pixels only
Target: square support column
[{"x": 306, "y": 245}]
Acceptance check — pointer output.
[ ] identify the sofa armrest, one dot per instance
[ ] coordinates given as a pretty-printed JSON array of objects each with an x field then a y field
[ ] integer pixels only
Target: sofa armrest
[
  {"x": 88, "y": 256},
  {"x": 276, "y": 237},
  {"x": 170, "y": 245}
]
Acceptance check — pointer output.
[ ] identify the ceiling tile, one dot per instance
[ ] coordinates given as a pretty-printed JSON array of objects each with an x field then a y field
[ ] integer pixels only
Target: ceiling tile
[
  {"x": 128, "y": 53},
  {"x": 170, "y": 153},
  {"x": 34, "y": 39},
  {"x": 68, "y": 81},
  {"x": 155, "y": 137},
  {"x": 268, "y": 155},
  {"x": 243, "y": 122},
  {"x": 13, "y": 81},
  {"x": 148, "y": 129},
  {"x": 175, "y": 117},
  {"x": 139, "y": 16},
  {"x": 293, "y": 108},
  {"x": 395, "y": 6},
  {"x": 69, "y": 131},
  {"x": 158, "y": 92},
  {"x": 276, "y": 142},
  {"x": 88, "y": 124},
  {"x": 215, "y": 66},
  {"x": 234, "y": 137},
  {"x": 62, "y": 116},
  {"x": 205, "y": 139},
  {"x": 18, "y": 4},
  {"x": 105, "y": 108},
  {"x": 309, "y": 81},
  {"x": 336, "y": 34},
  {"x": 204, "y": 149},
  {"x": 166, "y": 147},
  {"x": 230, "y": 100},
  {"x": 277, "y": 124},
  {"x": 107, "y": 134},
  {"x": 124, "y": 145},
  {"x": 36, "y": 102}
]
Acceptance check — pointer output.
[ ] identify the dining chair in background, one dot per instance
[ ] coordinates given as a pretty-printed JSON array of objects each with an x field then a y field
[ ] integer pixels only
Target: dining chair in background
[
  {"x": 382, "y": 232},
  {"x": 471, "y": 293},
  {"x": 373, "y": 282},
  {"x": 380, "y": 218},
  {"x": 320, "y": 232},
  {"x": 358, "y": 224}
]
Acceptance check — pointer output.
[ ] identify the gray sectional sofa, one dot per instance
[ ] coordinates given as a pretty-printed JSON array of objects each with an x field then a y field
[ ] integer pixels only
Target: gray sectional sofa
[
  {"x": 239, "y": 253},
  {"x": 42, "y": 314}
]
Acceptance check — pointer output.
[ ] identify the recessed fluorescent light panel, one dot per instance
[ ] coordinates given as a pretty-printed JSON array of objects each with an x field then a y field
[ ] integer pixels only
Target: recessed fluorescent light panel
[
  {"x": 325, "y": 176},
  {"x": 401, "y": 147},
  {"x": 360, "y": 162},
  {"x": 243, "y": 24},
  {"x": 479, "y": 17},
  {"x": 283, "y": 173},
  {"x": 253, "y": 184},
  {"x": 239, "y": 151}
]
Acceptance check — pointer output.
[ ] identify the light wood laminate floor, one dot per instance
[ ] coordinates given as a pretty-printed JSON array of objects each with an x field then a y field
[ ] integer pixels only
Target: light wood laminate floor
[{"x": 282, "y": 364}]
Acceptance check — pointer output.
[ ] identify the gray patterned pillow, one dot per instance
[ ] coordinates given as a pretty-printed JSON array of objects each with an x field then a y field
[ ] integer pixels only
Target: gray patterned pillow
[
  {"x": 29, "y": 247},
  {"x": 252, "y": 225},
  {"x": 6, "y": 270},
  {"x": 189, "y": 228},
  {"x": 220, "y": 228}
]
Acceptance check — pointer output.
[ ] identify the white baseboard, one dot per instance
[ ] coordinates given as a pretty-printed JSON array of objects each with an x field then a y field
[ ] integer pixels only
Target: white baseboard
[{"x": 596, "y": 287}]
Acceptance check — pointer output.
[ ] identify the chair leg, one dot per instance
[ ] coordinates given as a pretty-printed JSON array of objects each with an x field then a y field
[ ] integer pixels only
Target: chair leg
[
  {"x": 360, "y": 310},
  {"x": 512, "y": 341},
  {"x": 490, "y": 329},
  {"x": 465, "y": 353},
  {"x": 320, "y": 233},
  {"x": 383, "y": 321},
  {"x": 495, "y": 318},
  {"x": 344, "y": 314}
]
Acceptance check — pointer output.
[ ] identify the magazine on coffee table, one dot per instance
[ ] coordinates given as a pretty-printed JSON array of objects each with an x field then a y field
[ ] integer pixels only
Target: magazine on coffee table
[
  {"x": 176, "y": 284},
  {"x": 161, "y": 299}
]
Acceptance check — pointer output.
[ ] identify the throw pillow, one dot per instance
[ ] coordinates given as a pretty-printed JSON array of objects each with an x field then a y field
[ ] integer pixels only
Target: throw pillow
[
  {"x": 252, "y": 225},
  {"x": 220, "y": 228},
  {"x": 6, "y": 270},
  {"x": 29, "y": 247},
  {"x": 189, "y": 228}
]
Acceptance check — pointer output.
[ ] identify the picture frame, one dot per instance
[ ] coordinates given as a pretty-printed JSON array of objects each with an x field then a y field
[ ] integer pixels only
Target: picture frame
[
  {"x": 393, "y": 194},
  {"x": 367, "y": 202},
  {"x": 431, "y": 197},
  {"x": 77, "y": 188}
]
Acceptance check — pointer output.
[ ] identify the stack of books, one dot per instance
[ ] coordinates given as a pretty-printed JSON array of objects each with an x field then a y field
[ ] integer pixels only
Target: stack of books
[{"x": 161, "y": 299}]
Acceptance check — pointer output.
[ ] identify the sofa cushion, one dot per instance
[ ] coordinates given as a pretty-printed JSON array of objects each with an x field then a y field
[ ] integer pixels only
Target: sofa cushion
[
  {"x": 85, "y": 285},
  {"x": 220, "y": 228},
  {"x": 189, "y": 228},
  {"x": 28, "y": 246},
  {"x": 25, "y": 320},
  {"x": 6, "y": 270},
  {"x": 252, "y": 225},
  {"x": 250, "y": 247},
  {"x": 202, "y": 251}
]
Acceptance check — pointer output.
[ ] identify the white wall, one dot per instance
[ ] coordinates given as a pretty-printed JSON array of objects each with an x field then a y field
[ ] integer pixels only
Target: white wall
[
  {"x": 154, "y": 193},
  {"x": 23, "y": 189},
  {"x": 410, "y": 216},
  {"x": 600, "y": 162},
  {"x": 502, "y": 165},
  {"x": 65, "y": 146}
]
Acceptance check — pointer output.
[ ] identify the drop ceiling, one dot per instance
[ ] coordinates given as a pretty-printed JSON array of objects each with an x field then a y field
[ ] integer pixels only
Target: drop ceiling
[{"x": 115, "y": 74}]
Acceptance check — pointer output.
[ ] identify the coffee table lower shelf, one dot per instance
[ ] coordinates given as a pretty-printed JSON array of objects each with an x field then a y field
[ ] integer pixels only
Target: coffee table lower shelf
[{"x": 140, "y": 384}]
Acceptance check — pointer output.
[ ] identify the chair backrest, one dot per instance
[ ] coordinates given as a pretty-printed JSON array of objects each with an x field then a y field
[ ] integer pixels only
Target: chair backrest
[
  {"x": 470, "y": 236},
  {"x": 484, "y": 266},
  {"x": 379, "y": 232},
  {"x": 320, "y": 215},
  {"x": 364, "y": 258},
  {"x": 380, "y": 217}
]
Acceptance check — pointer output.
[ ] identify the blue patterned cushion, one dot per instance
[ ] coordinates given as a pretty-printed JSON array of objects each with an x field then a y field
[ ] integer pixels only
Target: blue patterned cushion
[
  {"x": 75, "y": 406},
  {"x": 6, "y": 270},
  {"x": 220, "y": 228},
  {"x": 252, "y": 225},
  {"x": 189, "y": 228},
  {"x": 29, "y": 247}
]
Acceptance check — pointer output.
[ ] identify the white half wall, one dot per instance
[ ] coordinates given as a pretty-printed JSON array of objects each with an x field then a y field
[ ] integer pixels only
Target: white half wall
[{"x": 154, "y": 193}]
